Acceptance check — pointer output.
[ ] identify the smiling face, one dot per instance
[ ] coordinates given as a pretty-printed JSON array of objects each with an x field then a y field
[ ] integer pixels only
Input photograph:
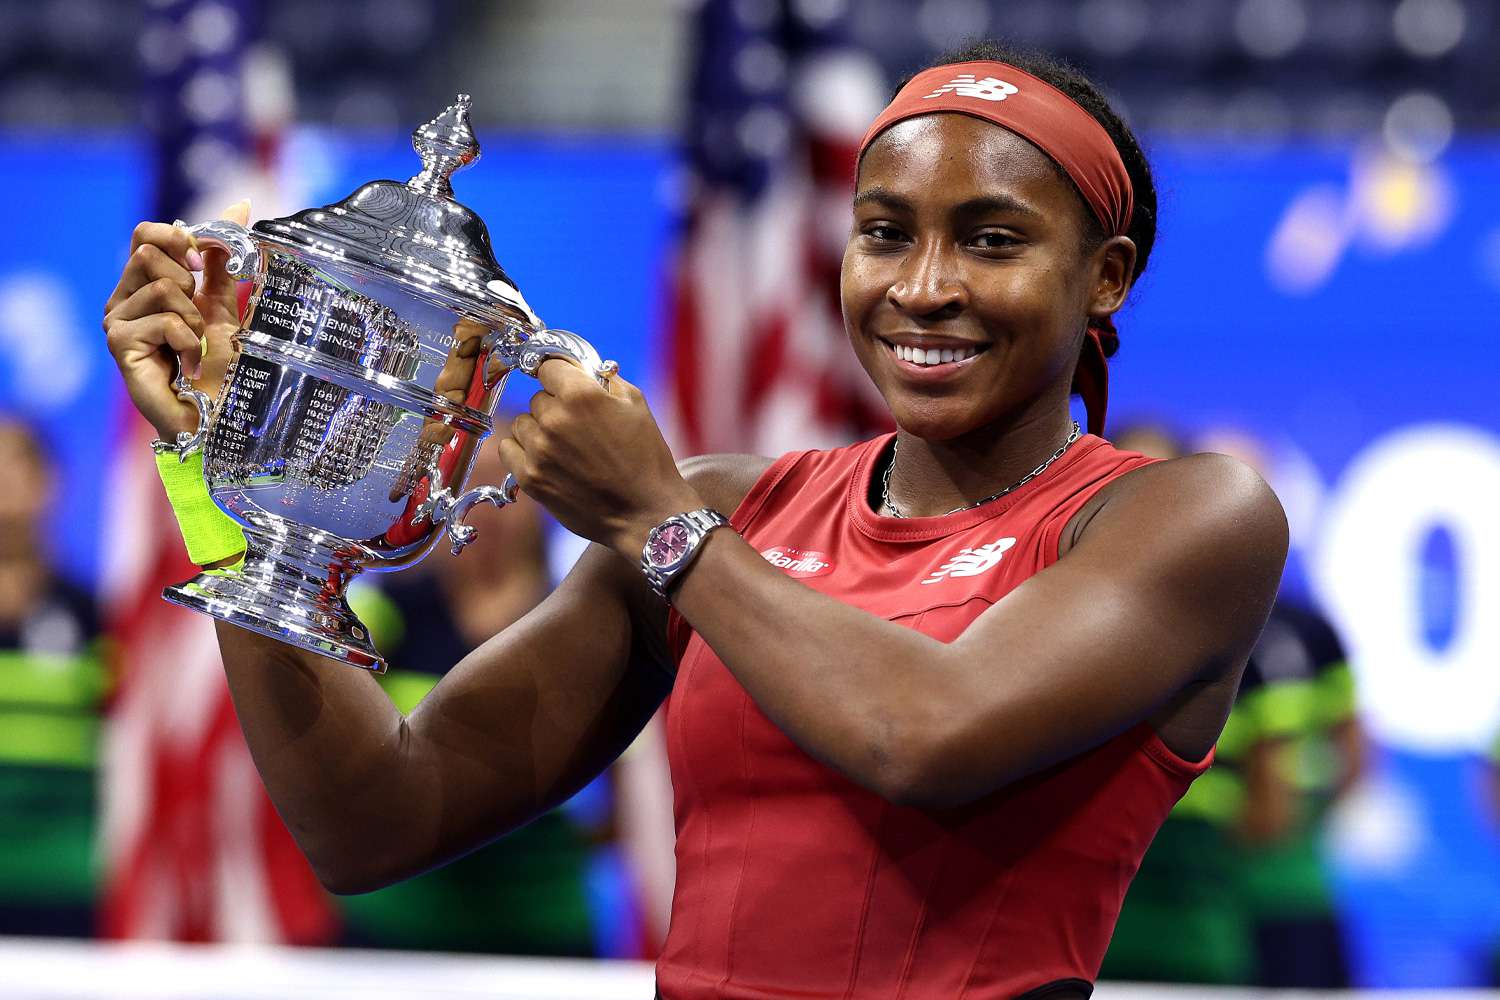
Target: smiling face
[{"x": 970, "y": 249}]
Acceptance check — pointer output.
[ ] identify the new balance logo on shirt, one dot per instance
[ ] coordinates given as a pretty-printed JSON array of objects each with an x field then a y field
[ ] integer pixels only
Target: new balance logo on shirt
[
  {"x": 972, "y": 562},
  {"x": 988, "y": 89}
]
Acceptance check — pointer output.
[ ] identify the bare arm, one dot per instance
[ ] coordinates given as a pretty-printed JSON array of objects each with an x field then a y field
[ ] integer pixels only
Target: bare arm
[
  {"x": 1170, "y": 583},
  {"x": 1164, "y": 591},
  {"x": 517, "y": 727},
  {"x": 514, "y": 729},
  {"x": 1270, "y": 800}
]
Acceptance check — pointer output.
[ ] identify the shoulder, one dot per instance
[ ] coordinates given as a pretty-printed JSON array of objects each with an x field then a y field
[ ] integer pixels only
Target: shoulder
[
  {"x": 1196, "y": 543},
  {"x": 1204, "y": 531},
  {"x": 723, "y": 481},
  {"x": 1195, "y": 495}
]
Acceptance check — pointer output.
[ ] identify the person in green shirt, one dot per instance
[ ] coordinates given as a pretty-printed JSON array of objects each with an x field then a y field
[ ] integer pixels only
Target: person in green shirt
[
  {"x": 52, "y": 687},
  {"x": 1309, "y": 750}
]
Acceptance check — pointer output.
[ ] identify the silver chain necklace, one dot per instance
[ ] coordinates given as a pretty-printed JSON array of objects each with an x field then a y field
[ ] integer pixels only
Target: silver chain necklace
[{"x": 885, "y": 479}]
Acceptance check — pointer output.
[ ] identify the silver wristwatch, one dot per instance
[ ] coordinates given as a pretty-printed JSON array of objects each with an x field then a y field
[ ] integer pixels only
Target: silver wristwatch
[{"x": 674, "y": 543}]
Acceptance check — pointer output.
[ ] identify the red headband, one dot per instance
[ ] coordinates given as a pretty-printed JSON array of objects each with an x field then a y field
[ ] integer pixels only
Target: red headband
[{"x": 1054, "y": 123}]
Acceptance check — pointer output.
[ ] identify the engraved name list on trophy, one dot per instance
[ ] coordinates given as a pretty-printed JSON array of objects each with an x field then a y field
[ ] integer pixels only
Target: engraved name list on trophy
[{"x": 347, "y": 424}]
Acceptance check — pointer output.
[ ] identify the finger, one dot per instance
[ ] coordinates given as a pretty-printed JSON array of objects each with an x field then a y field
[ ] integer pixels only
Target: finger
[
  {"x": 542, "y": 403},
  {"x": 526, "y": 431},
  {"x": 147, "y": 264},
  {"x": 152, "y": 332},
  {"x": 435, "y": 432},
  {"x": 218, "y": 285},
  {"x": 513, "y": 458},
  {"x": 468, "y": 337},
  {"x": 239, "y": 212},
  {"x": 560, "y": 376},
  {"x": 160, "y": 296},
  {"x": 175, "y": 241},
  {"x": 618, "y": 385}
]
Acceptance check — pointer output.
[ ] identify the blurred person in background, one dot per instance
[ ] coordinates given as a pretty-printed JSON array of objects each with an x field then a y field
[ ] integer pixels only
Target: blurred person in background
[
  {"x": 528, "y": 894},
  {"x": 1237, "y": 872},
  {"x": 52, "y": 684}
]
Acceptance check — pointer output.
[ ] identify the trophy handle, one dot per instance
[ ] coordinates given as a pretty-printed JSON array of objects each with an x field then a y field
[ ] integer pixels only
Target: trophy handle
[
  {"x": 191, "y": 441},
  {"x": 442, "y": 506},
  {"x": 244, "y": 255},
  {"x": 528, "y": 354},
  {"x": 233, "y": 238}
]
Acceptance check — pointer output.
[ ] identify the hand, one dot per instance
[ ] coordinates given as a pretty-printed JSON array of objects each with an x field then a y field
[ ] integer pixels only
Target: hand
[
  {"x": 596, "y": 459},
  {"x": 156, "y": 313}
]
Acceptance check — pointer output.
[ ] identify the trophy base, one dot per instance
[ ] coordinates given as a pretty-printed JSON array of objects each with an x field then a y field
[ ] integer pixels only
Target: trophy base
[{"x": 290, "y": 589}]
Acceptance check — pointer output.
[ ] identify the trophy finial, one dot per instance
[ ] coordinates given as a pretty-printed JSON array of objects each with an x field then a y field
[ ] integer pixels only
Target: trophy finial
[{"x": 446, "y": 145}]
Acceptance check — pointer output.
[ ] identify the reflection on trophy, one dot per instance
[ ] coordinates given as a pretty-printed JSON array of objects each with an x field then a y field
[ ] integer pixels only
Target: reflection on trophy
[{"x": 378, "y": 337}]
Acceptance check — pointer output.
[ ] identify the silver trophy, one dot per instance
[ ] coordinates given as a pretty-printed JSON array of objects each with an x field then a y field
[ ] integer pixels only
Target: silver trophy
[{"x": 378, "y": 337}]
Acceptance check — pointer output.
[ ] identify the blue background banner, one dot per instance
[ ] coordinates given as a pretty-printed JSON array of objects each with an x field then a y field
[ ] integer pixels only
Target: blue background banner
[{"x": 1333, "y": 303}]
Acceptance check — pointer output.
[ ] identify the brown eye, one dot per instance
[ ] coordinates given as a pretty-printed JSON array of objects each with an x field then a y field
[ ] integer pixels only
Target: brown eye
[
  {"x": 884, "y": 234},
  {"x": 994, "y": 241}
]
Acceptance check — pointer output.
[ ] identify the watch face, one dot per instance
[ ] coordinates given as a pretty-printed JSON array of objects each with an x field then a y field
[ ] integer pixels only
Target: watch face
[{"x": 668, "y": 544}]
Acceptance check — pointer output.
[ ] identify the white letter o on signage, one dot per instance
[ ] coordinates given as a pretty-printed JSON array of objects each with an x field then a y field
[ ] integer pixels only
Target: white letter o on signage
[{"x": 1366, "y": 569}]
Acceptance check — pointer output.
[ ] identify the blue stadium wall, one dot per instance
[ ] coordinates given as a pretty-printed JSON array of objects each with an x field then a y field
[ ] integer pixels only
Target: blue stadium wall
[{"x": 1340, "y": 306}]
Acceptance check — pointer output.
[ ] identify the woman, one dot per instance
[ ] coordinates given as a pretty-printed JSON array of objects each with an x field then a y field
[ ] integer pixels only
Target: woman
[{"x": 933, "y": 693}]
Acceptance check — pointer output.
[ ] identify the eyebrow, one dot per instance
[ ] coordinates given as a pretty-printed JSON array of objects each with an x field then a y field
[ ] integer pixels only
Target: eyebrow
[{"x": 984, "y": 205}]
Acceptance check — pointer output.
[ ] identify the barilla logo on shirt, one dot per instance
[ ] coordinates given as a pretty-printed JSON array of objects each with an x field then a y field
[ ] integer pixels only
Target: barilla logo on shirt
[{"x": 797, "y": 562}]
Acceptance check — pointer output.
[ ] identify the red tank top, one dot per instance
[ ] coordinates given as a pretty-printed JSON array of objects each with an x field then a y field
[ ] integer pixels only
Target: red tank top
[{"x": 792, "y": 881}]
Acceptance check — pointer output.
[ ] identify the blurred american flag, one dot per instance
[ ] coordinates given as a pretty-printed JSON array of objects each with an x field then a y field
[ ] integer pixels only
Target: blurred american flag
[
  {"x": 192, "y": 849},
  {"x": 778, "y": 98}
]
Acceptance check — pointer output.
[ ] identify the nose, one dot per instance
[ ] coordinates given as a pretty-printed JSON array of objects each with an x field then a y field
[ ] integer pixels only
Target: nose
[{"x": 929, "y": 285}]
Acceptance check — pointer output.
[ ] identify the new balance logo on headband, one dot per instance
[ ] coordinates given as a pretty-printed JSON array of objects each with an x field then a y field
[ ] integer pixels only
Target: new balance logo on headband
[{"x": 964, "y": 85}]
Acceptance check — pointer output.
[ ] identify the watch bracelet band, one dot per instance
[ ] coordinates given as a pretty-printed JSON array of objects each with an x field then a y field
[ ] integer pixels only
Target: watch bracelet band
[
  {"x": 210, "y": 534},
  {"x": 704, "y": 520}
]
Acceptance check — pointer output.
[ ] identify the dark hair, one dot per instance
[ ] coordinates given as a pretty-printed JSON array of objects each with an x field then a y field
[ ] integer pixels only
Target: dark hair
[{"x": 1072, "y": 81}]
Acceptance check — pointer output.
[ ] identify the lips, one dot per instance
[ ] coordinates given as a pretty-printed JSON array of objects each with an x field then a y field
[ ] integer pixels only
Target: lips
[{"x": 933, "y": 355}]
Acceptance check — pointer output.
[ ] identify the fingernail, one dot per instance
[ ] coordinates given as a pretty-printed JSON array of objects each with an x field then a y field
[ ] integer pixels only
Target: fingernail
[{"x": 194, "y": 260}]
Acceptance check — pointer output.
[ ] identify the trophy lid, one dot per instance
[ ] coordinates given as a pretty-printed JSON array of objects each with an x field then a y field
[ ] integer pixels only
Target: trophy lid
[{"x": 416, "y": 232}]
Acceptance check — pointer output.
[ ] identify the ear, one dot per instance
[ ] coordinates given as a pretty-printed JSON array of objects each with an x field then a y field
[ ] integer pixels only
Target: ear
[{"x": 1112, "y": 270}]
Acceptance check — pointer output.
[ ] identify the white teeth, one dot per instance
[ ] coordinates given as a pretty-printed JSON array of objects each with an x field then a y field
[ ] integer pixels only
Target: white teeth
[{"x": 933, "y": 355}]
